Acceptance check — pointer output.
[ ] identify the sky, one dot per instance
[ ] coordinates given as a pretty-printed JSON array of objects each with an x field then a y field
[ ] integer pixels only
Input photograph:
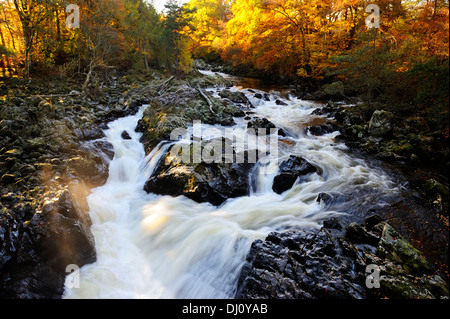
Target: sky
[{"x": 159, "y": 4}]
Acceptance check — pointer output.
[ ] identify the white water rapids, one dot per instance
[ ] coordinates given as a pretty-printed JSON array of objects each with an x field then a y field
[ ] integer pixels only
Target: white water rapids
[{"x": 153, "y": 246}]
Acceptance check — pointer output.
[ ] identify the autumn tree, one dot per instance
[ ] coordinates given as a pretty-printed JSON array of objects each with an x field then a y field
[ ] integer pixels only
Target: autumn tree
[
  {"x": 32, "y": 13},
  {"x": 209, "y": 18}
]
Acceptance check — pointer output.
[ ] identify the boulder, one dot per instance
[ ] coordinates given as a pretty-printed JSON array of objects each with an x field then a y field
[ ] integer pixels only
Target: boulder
[
  {"x": 254, "y": 126},
  {"x": 394, "y": 247},
  {"x": 64, "y": 234},
  {"x": 322, "y": 129},
  {"x": 325, "y": 263},
  {"x": 380, "y": 123},
  {"x": 235, "y": 97},
  {"x": 279, "y": 102},
  {"x": 289, "y": 171},
  {"x": 125, "y": 135},
  {"x": 300, "y": 264},
  {"x": 202, "y": 182}
]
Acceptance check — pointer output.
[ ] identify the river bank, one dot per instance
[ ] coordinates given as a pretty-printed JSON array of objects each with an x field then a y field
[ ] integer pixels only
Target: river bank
[{"x": 54, "y": 148}]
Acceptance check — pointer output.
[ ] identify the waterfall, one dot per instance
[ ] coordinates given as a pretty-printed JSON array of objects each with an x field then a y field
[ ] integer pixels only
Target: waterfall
[{"x": 153, "y": 246}]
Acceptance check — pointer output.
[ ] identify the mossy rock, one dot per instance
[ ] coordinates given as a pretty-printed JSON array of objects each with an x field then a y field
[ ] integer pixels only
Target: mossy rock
[
  {"x": 402, "y": 287},
  {"x": 380, "y": 123},
  {"x": 395, "y": 248}
]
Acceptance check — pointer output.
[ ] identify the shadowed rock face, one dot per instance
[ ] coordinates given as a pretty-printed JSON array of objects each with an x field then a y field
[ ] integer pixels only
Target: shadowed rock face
[
  {"x": 66, "y": 238},
  {"x": 333, "y": 263},
  {"x": 289, "y": 171},
  {"x": 301, "y": 264},
  {"x": 35, "y": 254}
]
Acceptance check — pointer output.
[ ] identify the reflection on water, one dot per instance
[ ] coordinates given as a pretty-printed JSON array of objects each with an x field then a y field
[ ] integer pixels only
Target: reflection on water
[{"x": 242, "y": 83}]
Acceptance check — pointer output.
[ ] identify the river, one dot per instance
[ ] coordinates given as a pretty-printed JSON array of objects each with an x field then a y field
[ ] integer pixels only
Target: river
[{"x": 153, "y": 246}]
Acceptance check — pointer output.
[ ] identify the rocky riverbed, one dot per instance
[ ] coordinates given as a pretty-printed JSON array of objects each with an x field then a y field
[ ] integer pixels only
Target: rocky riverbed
[{"x": 53, "y": 151}]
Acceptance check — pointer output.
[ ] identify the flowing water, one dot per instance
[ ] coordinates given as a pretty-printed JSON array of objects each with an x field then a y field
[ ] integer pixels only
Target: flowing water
[{"x": 153, "y": 246}]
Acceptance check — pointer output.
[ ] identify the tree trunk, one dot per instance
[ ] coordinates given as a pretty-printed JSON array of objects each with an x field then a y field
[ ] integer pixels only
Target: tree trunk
[
  {"x": 58, "y": 28},
  {"x": 6, "y": 56},
  {"x": 146, "y": 62}
]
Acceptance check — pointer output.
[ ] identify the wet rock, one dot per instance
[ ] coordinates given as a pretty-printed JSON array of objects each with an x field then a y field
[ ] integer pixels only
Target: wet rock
[
  {"x": 203, "y": 182},
  {"x": 311, "y": 263},
  {"x": 239, "y": 113},
  {"x": 279, "y": 102},
  {"x": 8, "y": 179},
  {"x": 64, "y": 236},
  {"x": 89, "y": 133},
  {"x": 289, "y": 171},
  {"x": 325, "y": 199},
  {"x": 299, "y": 264},
  {"x": 236, "y": 97},
  {"x": 125, "y": 135},
  {"x": 282, "y": 132},
  {"x": 357, "y": 233},
  {"x": 323, "y": 129},
  {"x": 254, "y": 126},
  {"x": 332, "y": 223}
]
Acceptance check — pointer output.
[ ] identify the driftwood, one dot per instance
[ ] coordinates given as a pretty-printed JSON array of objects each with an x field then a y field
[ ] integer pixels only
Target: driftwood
[
  {"x": 163, "y": 85},
  {"x": 206, "y": 98},
  {"x": 47, "y": 96}
]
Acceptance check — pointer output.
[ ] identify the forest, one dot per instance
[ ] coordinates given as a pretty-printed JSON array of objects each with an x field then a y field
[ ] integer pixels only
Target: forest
[{"x": 404, "y": 61}]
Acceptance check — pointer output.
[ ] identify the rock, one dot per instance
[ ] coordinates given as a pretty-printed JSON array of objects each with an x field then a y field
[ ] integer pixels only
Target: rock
[
  {"x": 358, "y": 234},
  {"x": 354, "y": 132},
  {"x": 17, "y": 101},
  {"x": 394, "y": 247},
  {"x": 323, "y": 129},
  {"x": 289, "y": 171},
  {"x": 332, "y": 223},
  {"x": 279, "y": 102},
  {"x": 236, "y": 97},
  {"x": 64, "y": 233},
  {"x": 258, "y": 95},
  {"x": 202, "y": 182},
  {"x": 125, "y": 135},
  {"x": 239, "y": 113},
  {"x": 89, "y": 133},
  {"x": 380, "y": 123},
  {"x": 282, "y": 132},
  {"x": 8, "y": 179},
  {"x": 36, "y": 142},
  {"x": 254, "y": 126},
  {"x": 300, "y": 264},
  {"x": 331, "y": 200}
]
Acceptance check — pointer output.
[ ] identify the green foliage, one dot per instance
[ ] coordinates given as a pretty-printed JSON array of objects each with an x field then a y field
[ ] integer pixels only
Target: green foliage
[{"x": 6, "y": 51}]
